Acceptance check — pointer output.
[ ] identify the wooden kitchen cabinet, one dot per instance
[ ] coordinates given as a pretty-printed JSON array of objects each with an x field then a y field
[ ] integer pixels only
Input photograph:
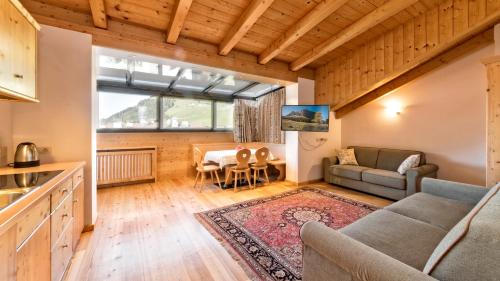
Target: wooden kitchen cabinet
[
  {"x": 33, "y": 257},
  {"x": 18, "y": 52},
  {"x": 78, "y": 213}
]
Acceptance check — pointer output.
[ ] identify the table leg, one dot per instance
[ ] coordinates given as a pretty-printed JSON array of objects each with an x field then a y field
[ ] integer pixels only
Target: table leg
[{"x": 282, "y": 170}]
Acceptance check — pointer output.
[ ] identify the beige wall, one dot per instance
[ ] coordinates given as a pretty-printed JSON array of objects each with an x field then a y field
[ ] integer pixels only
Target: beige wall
[
  {"x": 62, "y": 121},
  {"x": 6, "y": 129},
  {"x": 444, "y": 115},
  {"x": 304, "y": 155}
]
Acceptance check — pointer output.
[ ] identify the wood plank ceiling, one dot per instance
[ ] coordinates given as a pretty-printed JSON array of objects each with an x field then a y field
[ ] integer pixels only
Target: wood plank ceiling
[{"x": 288, "y": 31}]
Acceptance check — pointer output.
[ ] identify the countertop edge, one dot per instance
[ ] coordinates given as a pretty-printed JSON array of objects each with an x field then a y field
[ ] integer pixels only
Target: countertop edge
[{"x": 9, "y": 215}]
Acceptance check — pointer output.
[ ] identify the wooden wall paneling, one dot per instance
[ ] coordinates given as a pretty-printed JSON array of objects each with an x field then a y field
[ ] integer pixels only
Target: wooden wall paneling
[
  {"x": 477, "y": 11},
  {"x": 493, "y": 122},
  {"x": 432, "y": 28},
  {"x": 409, "y": 41},
  {"x": 330, "y": 87},
  {"x": 445, "y": 21},
  {"x": 380, "y": 58},
  {"x": 460, "y": 16},
  {"x": 173, "y": 149},
  {"x": 8, "y": 254},
  {"x": 371, "y": 61},
  {"x": 398, "y": 47},
  {"x": 356, "y": 76},
  {"x": 420, "y": 35},
  {"x": 492, "y": 6},
  {"x": 338, "y": 75},
  {"x": 363, "y": 62},
  {"x": 445, "y": 58},
  {"x": 388, "y": 53}
]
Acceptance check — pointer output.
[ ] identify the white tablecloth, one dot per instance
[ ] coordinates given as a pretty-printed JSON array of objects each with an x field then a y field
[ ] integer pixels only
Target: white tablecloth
[{"x": 228, "y": 157}]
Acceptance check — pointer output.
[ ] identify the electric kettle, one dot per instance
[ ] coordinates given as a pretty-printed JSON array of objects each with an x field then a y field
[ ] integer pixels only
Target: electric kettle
[{"x": 26, "y": 155}]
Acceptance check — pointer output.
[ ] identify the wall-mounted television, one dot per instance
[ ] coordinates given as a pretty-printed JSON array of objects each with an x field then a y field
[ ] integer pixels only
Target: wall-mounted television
[{"x": 310, "y": 118}]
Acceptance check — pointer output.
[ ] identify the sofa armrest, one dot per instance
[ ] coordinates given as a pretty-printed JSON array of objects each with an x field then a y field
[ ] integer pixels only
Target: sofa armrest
[
  {"x": 467, "y": 193},
  {"x": 414, "y": 177},
  {"x": 327, "y": 162},
  {"x": 331, "y": 255}
]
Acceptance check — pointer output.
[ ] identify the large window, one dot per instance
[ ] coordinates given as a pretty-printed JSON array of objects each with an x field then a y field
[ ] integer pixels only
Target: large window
[{"x": 120, "y": 111}]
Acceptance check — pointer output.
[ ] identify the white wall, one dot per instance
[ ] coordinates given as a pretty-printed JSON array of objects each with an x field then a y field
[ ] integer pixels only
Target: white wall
[
  {"x": 304, "y": 158},
  {"x": 443, "y": 115},
  {"x": 6, "y": 128},
  {"x": 62, "y": 121}
]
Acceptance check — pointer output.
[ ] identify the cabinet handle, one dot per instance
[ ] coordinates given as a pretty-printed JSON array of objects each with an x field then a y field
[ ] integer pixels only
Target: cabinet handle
[
  {"x": 75, "y": 201},
  {"x": 64, "y": 215},
  {"x": 64, "y": 246},
  {"x": 18, "y": 76},
  {"x": 64, "y": 191}
]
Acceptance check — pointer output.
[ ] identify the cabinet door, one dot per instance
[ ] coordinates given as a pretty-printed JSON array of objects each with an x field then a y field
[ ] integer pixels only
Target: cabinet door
[
  {"x": 5, "y": 42},
  {"x": 23, "y": 54},
  {"x": 78, "y": 213},
  {"x": 33, "y": 257},
  {"x": 8, "y": 255}
]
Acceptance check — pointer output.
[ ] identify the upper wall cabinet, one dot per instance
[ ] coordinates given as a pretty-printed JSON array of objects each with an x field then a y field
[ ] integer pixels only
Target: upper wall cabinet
[{"x": 18, "y": 50}]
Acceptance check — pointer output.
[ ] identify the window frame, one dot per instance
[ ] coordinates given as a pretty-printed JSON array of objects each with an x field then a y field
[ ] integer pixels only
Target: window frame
[{"x": 159, "y": 115}]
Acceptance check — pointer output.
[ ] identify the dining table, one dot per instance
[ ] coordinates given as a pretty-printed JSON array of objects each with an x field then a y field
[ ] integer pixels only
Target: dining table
[{"x": 227, "y": 158}]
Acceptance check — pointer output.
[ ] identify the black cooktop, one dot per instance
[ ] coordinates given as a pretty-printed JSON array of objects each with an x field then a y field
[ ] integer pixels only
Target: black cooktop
[{"x": 15, "y": 186}]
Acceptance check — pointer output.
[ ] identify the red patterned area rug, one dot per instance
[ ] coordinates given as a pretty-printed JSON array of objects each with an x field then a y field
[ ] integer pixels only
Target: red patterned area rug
[{"x": 263, "y": 234}]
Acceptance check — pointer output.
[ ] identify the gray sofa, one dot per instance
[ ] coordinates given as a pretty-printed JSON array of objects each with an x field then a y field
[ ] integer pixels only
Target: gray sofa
[
  {"x": 449, "y": 231},
  {"x": 377, "y": 172}
]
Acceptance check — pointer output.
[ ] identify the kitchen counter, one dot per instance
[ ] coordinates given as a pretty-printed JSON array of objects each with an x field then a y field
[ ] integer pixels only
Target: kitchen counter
[{"x": 10, "y": 213}]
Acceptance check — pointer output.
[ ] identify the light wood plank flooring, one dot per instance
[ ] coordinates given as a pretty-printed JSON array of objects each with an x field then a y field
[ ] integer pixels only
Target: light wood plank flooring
[{"x": 148, "y": 232}]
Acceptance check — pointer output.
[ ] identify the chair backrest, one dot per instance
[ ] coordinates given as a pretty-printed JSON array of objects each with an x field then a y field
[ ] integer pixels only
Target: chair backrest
[
  {"x": 198, "y": 157},
  {"x": 261, "y": 154},
  {"x": 242, "y": 158}
]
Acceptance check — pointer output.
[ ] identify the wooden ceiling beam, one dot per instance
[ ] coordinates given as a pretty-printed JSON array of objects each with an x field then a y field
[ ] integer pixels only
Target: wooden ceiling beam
[
  {"x": 134, "y": 38},
  {"x": 319, "y": 13},
  {"x": 99, "y": 13},
  {"x": 377, "y": 16},
  {"x": 177, "y": 21},
  {"x": 251, "y": 14}
]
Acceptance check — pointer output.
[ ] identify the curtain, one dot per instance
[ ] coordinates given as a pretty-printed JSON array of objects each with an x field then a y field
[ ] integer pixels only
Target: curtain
[
  {"x": 245, "y": 121},
  {"x": 269, "y": 117},
  {"x": 259, "y": 120}
]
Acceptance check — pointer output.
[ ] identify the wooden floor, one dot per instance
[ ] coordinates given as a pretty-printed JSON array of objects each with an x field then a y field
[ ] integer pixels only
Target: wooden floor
[{"x": 148, "y": 232}]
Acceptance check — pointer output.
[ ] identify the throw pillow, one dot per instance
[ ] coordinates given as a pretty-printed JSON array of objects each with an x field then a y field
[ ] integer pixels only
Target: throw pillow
[
  {"x": 347, "y": 157},
  {"x": 411, "y": 162}
]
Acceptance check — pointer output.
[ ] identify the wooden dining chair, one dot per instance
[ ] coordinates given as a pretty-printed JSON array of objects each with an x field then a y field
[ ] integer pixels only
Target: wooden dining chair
[
  {"x": 242, "y": 158},
  {"x": 202, "y": 169},
  {"x": 261, "y": 164}
]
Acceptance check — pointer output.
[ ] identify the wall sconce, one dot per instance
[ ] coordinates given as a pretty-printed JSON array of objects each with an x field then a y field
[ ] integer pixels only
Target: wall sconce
[{"x": 393, "y": 108}]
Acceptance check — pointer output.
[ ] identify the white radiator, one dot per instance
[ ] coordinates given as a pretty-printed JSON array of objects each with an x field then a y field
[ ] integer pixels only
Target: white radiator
[{"x": 125, "y": 165}]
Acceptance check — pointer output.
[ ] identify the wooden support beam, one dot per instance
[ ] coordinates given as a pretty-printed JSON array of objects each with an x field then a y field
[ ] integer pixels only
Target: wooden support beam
[
  {"x": 380, "y": 14},
  {"x": 120, "y": 35},
  {"x": 99, "y": 13},
  {"x": 445, "y": 58},
  {"x": 177, "y": 21},
  {"x": 301, "y": 27},
  {"x": 243, "y": 24}
]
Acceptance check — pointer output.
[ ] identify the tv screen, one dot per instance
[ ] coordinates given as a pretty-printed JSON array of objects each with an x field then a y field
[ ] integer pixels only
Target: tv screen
[{"x": 311, "y": 118}]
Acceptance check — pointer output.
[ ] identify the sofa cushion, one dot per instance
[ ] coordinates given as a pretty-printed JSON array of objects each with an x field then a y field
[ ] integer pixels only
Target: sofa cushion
[
  {"x": 385, "y": 178},
  {"x": 390, "y": 159},
  {"x": 470, "y": 251},
  {"x": 429, "y": 208},
  {"x": 405, "y": 239},
  {"x": 348, "y": 171},
  {"x": 366, "y": 156}
]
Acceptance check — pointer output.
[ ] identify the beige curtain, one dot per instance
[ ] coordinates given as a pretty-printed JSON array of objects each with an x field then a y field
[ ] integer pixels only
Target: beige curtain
[
  {"x": 269, "y": 117},
  {"x": 245, "y": 121},
  {"x": 259, "y": 120}
]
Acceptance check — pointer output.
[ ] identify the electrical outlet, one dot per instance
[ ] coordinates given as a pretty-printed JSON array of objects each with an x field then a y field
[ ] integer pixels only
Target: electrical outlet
[{"x": 44, "y": 150}]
